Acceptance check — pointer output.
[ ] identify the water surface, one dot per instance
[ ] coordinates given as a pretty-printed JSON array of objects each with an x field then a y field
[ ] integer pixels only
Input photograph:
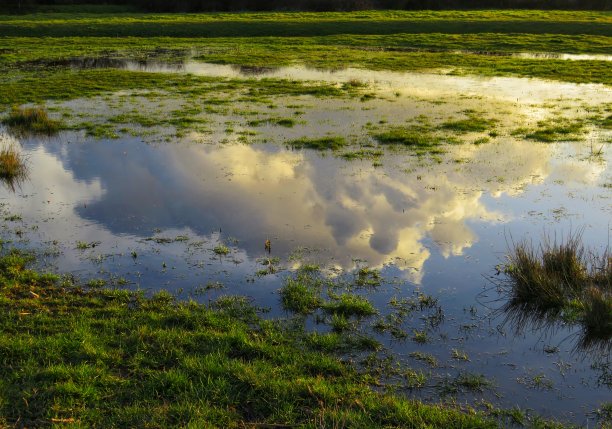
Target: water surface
[{"x": 148, "y": 215}]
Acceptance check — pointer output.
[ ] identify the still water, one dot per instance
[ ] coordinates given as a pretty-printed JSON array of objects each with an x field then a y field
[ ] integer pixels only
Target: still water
[{"x": 148, "y": 215}]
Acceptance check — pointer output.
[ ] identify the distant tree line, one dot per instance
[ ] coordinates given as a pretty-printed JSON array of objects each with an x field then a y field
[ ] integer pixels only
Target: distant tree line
[{"x": 315, "y": 5}]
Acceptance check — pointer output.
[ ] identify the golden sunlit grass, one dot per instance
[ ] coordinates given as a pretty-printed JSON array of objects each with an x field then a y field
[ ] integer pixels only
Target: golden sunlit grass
[
  {"x": 34, "y": 120},
  {"x": 13, "y": 168}
]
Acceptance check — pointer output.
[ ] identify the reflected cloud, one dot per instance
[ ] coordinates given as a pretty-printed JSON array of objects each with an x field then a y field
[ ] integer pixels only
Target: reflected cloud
[{"x": 348, "y": 210}]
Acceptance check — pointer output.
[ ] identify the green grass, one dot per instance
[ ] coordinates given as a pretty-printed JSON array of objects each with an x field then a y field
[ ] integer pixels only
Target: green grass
[
  {"x": 472, "y": 123},
  {"x": 31, "y": 120},
  {"x": 221, "y": 249},
  {"x": 472, "y": 382},
  {"x": 406, "y": 137},
  {"x": 425, "y": 357},
  {"x": 301, "y": 294},
  {"x": 370, "y": 154},
  {"x": 321, "y": 143},
  {"x": 304, "y": 24},
  {"x": 113, "y": 358},
  {"x": 558, "y": 130},
  {"x": 349, "y": 305},
  {"x": 380, "y": 40},
  {"x": 420, "y": 337},
  {"x": 19, "y": 87},
  {"x": 283, "y": 122},
  {"x": 561, "y": 281},
  {"x": 418, "y": 138}
]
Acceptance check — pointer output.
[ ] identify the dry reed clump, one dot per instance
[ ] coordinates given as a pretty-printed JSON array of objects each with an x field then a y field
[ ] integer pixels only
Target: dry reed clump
[
  {"x": 13, "y": 166},
  {"x": 560, "y": 281},
  {"x": 32, "y": 120}
]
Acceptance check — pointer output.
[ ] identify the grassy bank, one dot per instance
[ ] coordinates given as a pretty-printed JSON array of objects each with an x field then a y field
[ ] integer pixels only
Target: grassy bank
[
  {"x": 110, "y": 358},
  {"x": 381, "y": 40}
]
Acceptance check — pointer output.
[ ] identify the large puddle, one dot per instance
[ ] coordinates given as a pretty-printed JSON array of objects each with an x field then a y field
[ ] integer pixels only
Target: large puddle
[{"x": 149, "y": 215}]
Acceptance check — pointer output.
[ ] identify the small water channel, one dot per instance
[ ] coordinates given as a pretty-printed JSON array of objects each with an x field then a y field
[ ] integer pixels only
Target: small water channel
[{"x": 147, "y": 215}]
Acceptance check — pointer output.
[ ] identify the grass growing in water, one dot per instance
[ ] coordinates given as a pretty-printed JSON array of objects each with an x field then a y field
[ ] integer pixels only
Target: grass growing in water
[
  {"x": 322, "y": 143},
  {"x": 350, "y": 305},
  {"x": 557, "y": 131},
  {"x": 113, "y": 358},
  {"x": 13, "y": 168},
  {"x": 34, "y": 120},
  {"x": 471, "y": 124},
  {"x": 415, "y": 137},
  {"x": 561, "y": 281},
  {"x": 283, "y": 122},
  {"x": 301, "y": 293},
  {"x": 221, "y": 249}
]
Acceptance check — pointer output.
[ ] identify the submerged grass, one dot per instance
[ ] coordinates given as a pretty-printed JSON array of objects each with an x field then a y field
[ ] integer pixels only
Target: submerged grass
[
  {"x": 31, "y": 120},
  {"x": 561, "y": 281},
  {"x": 114, "y": 358}
]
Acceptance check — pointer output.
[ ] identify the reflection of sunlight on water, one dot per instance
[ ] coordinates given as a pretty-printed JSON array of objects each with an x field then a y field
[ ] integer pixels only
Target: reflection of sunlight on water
[
  {"x": 420, "y": 84},
  {"x": 351, "y": 210},
  {"x": 567, "y": 57}
]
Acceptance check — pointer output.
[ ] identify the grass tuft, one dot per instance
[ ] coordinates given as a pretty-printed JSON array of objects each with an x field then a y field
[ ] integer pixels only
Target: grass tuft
[
  {"x": 407, "y": 137},
  {"x": 557, "y": 131},
  {"x": 221, "y": 250},
  {"x": 560, "y": 281},
  {"x": 323, "y": 143},
  {"x": 471, "y": 124},
  {"x": 31, "y": 120},
  {"x": 350, "y": 305},
  {"x": 13, "y": 166}
]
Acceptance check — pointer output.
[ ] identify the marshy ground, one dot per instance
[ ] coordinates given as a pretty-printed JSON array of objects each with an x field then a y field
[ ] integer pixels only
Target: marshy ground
[{"x": 339, "y": 185}]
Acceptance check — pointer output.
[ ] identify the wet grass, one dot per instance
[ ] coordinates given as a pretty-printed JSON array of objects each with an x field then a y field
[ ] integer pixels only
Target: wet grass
[
  {"x": 31, "y": 120},
  {"x": 24, "y": 86},
  {"x": 301, "y": 294},
  {"x": 349, "y": 305},
  {"x": 419, "y": 138},
  {"x": 34, "y": 63},
  {"x": 560, "y": 281},
  {"x": 12, "y": 163},
  {"x": 283, "y": 122},
  {"x": 370, "y": 154},
  {"x": 13, "y": 166},
  {"x": 425, "y": 357},
  {"x": 320, "y": 143},
  {"x": 560, "y": 130},
  {"x": 112, "y": 358},
  {"x": 468, "y": 382},
  {"x": 221, "y": 250},
  {"x": 473, "y": 123}
]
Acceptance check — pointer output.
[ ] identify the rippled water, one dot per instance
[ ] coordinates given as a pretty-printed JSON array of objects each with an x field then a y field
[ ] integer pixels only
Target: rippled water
[{"x": 151, "y": 214}]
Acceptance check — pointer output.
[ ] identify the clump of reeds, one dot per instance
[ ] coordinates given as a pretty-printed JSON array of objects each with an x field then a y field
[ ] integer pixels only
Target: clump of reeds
[
  {"x": 13, "y": 166},
  {"x": 560, "y": 281},
  {"x": 31, "y": 120}
]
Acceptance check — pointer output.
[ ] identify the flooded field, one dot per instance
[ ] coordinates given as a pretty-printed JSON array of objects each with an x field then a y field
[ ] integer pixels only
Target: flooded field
[{"x": 411, "y": 186}]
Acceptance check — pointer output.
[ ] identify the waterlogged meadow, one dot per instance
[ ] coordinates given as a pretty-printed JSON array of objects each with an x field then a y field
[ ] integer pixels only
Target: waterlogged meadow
[{"x": 386, "y": 235}]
